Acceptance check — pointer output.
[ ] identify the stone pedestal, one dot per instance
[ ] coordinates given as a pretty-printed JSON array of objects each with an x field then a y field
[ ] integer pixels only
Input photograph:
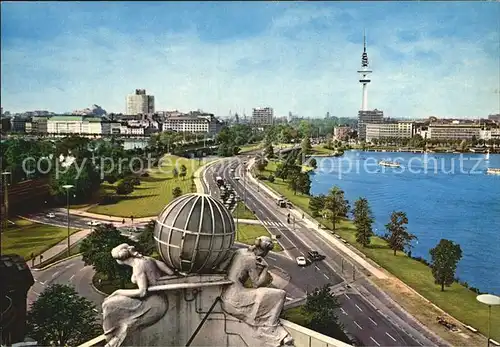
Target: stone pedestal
[{"x": 194, "y": 316}]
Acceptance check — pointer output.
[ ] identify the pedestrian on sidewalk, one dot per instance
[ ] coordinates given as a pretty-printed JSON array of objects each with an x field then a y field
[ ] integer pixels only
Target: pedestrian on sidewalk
[
  {"x": 32, "y": 259},
  {"x": 123, "y": 221},
  {"x": 41, "y": 258},
  {"x": 302, "y": 215}
]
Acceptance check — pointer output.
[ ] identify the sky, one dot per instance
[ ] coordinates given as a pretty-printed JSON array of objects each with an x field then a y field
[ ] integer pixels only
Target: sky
[{"x": 428, "y": 58}]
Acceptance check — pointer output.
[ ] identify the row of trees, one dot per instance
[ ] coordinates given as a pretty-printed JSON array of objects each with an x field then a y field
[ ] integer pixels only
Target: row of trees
[{"x": 334, "y": 207}]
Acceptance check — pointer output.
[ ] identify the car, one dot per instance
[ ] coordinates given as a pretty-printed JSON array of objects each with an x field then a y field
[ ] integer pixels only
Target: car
[
  {"x": 231, "y": 170},
  {"x": 50, "y": 215},
  {"x": 237, "y": 178},
  {"x": 315, "y": 256},
  {"x": 301, "y": 261},
  {"x": 93, "y": 223}
]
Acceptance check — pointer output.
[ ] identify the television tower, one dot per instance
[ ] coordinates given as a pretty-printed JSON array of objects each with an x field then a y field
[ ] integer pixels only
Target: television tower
[{"x": 364, "y": 73}]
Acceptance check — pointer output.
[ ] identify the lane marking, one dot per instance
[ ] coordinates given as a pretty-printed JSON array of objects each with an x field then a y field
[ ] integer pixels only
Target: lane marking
[
  {"x": 326, "y": 277},
  {"x": 372, "y": 321},
  {"x": 70, "y": 265},
  {"x": 317, "y": 268},
  {"x": 359, "y": 308},
  {"x": 95, "y": 310},
  {"x": 359, "y": 326},
  {"x": 378, "y": 344},
  {"x": 343, "y": 311},
  {"x": 420, "y": 343},
  {"x": 347, "y": 296},
  {"x": 55, "y": 274},
  {"x": 42, "y": 283},
  {"x": 390, "y": 336},
  {"x": 272, "y": 258},
  {"x": 71, "y": 277},
  {"x": 36, "y": 293},
  {"x": 289, "y": 298}
]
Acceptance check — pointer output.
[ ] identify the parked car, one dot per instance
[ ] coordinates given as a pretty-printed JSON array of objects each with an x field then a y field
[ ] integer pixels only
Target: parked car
[
  {"x": 93, "y": 223},
  {"x": 301, "y": 261},
  {"x": 50, "y": 215}
]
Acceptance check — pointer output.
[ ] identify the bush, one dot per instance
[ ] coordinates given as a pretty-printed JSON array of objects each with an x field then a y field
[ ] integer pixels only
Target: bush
[
  {"x": 124, "y": 187},
  {"x": 271, "y": 178},
  {"x": 145, "y": 174},
  {"x": 261, "y": 177}
]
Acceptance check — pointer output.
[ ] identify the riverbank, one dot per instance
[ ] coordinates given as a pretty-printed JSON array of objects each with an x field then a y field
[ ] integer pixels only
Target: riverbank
[{"x": 457, "y": 300}]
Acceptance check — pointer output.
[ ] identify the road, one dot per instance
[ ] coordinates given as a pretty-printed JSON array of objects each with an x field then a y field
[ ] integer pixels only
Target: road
[{"x": 366, "y": 313}]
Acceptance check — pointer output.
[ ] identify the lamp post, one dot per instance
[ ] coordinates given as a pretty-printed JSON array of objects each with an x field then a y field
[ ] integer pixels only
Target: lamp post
[
  {"x": 67, "y": 187},
  {"x": 490, "y": 300},
  {"x": 6, "y": 199}
]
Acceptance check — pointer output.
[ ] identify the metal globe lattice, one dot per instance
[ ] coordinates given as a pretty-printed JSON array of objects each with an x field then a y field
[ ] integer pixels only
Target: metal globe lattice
[{"x": 194, "y": 233}]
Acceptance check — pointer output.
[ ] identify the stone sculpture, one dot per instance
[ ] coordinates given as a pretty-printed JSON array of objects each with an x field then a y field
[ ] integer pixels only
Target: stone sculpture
[
  {"x": 260, "y": 307},
  {"x": 129, "y": 309}
]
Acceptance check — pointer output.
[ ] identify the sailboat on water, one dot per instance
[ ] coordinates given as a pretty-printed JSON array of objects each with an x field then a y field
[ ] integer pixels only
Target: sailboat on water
[{"x": 487, "y": 157}]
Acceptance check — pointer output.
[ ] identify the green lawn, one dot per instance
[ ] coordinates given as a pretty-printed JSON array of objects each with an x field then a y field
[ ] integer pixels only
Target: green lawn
[
  {"x": 243, "y": 212},
  {"x": 295, "y": 315},
  {"x": 320, "y": 150},
  {"x": 247, "y": 233},
  {"x": 154, "y": 192},
  {"x": 73, "y": 249},
  {"x": 456, "y": 300},
  {"x": 26, "y": 238},
  {"x": 250, "y": 147}
]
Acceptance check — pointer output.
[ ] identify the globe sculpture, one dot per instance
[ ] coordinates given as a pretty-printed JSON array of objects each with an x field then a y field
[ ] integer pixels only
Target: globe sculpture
[{"x": 194, "y": 233}]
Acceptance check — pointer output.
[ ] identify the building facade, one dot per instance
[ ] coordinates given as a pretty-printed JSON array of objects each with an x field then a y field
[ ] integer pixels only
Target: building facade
[
  {"x": 194, "y": 122},
  {"x": 389, "y": 130},
  {"x": 494, "y": 117},
  {"x": 262, "y": 116},
  {"x": 140, "y": 103},
  {"x": 74, "y": 125},
  {"x": 341, "y": 133},
  {"x": 454, "y": 131},
  {"x": 365, "y": 117}
]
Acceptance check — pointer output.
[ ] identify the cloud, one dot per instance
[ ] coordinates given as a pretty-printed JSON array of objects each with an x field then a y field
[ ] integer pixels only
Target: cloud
[{"x": 305, "y": 61}]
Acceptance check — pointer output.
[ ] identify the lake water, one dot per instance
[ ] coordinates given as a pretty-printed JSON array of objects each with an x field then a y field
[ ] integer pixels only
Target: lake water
[{"x": 444, "y": 196}]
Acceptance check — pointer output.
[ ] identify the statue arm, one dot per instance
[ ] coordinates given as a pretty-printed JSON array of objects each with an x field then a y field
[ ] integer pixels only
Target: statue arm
[
  {"x": 140, "y": 292},
  {"x": 164, "y": 268},
  {"x": 258, "y": 277}
]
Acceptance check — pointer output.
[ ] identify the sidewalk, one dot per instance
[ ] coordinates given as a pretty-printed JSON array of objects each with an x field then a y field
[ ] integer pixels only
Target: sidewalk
[
  {"x": 107, "y": 218},
  {"x": 313, "y": 224},
  {"x": 60, "y": 247}
]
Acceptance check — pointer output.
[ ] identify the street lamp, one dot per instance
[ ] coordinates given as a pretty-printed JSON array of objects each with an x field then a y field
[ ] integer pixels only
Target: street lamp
[
  {"x": 6, "y": 198},
  {"x": 68, "y": 187},
  {"x": 490, "y": 300}
]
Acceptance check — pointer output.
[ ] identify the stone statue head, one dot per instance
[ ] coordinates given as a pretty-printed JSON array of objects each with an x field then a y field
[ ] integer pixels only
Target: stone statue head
[
  {"x": 122, "y": 253},
  {"x": 262, "y": 246}
]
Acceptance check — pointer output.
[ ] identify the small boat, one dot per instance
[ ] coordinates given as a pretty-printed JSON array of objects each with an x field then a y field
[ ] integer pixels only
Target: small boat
[
  {"x": 493, "y": 171},
  {"x": 389, "y": 163}
]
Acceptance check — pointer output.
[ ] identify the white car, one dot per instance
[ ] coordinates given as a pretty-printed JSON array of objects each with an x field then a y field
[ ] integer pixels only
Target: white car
[
  {"x": 231, "y": 170},
  {"x": 93, "y": 223},
  {"x": 50, "y": 215},
  {"x": 237, "y": 178},
  {"x": 301, "y": 261}
]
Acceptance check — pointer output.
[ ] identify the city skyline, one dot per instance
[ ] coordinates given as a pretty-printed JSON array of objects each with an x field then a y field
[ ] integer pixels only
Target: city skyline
[{"x": 299, "y": 57}]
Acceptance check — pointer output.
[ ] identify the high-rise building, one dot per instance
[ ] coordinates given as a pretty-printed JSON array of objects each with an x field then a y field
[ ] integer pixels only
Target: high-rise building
[
  {"x": 364, "y": 117},
  {"x": 140, "y": 103},
  {"x": 262, "y": 116}
]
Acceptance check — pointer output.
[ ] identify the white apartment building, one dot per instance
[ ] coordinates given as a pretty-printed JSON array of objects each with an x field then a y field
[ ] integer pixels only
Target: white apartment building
[
  {"x": 140, "y": 103},
  {"x": 453, "y": 131},
  {"x": 389, "y": 130},
  {"x": 194, "y": 122},
  {"x": 74, "y": 125},
  {"x": 262, "y": 116},
  {"x": 131, "y": 130},
  {"x": 489, "y": 134}
]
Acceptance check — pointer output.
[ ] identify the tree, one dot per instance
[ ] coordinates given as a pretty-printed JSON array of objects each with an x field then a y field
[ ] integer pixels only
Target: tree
[
  {"x": 60, "y": 317},
  {"x": 313, "y": 163},
  {"x": 303, "y": 183},
  {"x": 271, "y": 178},
  {"x": 124, "y": 187},
  {"x": 444, "y": 259},
  {"x": 305, "y": 146},
  {"x": 397, "y": 234},
  {"x": 176, "y": 192},
  {"x": 320, "y": 311},
  {"x": 261, "y": 164},
  {"x": 317, "y": 204},
  {"x": 96, "y": 251},
  {"x": 145, "y": 243},
  {"x": 363, "y": 220},
  {"x": 336, "y": 205},
  {"x": 269, "y": 151},
  {"x": 183, "y": 171}
]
